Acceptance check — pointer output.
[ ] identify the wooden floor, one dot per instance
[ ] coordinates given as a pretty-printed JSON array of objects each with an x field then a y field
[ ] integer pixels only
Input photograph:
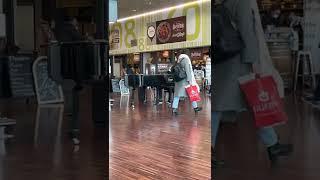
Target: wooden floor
[
  {"x": 246, "y": 158},
  {"x": 149, "y": 143},
  {"x": 42, "y": 148}
]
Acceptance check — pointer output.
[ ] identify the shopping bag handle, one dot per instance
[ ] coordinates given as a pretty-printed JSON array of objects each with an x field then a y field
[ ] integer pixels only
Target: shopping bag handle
[{"x": 255, "y": 71}]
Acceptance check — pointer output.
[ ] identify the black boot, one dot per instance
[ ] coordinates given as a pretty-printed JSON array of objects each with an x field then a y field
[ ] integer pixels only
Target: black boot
[
  {"x": 279, "y": 150},
  {"x": 197, "y": 109},
  {"x": 214, "y": 162}
]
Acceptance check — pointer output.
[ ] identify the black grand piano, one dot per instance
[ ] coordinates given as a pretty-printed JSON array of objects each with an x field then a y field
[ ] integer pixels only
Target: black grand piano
[
  {"x": 84, "y": 63},
  {"x": 158, "y": 82}
]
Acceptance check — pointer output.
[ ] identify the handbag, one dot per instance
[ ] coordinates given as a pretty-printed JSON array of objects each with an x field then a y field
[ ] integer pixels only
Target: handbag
[
  {"x": 227, "y": 40},
  {"x": 263, "y": 98}
]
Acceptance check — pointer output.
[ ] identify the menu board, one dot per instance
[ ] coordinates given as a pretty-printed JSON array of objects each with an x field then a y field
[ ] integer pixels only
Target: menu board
[
  {"x": 49, "y": 119},
  {"x": 20, "y": 73},
  {"x": 115, "y": 85},
  {"x": 123, "y": 88},
  {"x": 47, "y": 90}
]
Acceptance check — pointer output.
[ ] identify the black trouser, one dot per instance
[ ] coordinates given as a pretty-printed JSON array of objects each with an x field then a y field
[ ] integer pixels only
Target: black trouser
[
  {"x": 75, "y": 121},
  {"x": 170, "y": 95},
  {"x": 159, "y": 95},
  {"x": 132, "y": 90}
]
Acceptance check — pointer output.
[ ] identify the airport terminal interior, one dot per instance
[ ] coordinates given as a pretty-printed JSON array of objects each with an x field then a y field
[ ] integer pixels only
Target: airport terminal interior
[{"x": 88, "y": 91}]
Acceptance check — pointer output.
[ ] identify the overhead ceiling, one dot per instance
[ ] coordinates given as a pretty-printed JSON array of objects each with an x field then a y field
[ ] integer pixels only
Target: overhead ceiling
[{"x": 128, "y": 8}]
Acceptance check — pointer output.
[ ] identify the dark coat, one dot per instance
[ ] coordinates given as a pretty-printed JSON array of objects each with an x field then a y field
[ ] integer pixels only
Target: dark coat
[{"x": 68, "y": 33}]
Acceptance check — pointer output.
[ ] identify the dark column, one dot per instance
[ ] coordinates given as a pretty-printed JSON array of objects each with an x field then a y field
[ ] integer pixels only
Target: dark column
[
  {"x": 37, "y": 4},
  {"x": 8, "y": 9},
  {"x": 142, "y": 90},
  {"x": 100, "y": 18},
  {"x": 100, "y": 95},
  {"x": 112, "y": 61}
]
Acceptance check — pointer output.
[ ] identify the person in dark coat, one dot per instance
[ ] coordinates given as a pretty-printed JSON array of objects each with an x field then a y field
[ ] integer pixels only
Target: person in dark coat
[
  {"x": 274, "y": 17},
  {"x": 228, "y": 100},
  {"x": 68, "y": 31}
]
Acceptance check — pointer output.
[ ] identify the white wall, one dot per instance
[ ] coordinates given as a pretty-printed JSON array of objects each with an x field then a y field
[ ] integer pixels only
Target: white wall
[
  {"x": 24, "y": 28},
  {"x": 146, "y": 56}
]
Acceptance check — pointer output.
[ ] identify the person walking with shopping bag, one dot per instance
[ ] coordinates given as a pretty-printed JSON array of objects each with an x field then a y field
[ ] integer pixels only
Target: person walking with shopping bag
[
  {"x": 186, "y": 79},
  {"x": 252, "y": 56}
]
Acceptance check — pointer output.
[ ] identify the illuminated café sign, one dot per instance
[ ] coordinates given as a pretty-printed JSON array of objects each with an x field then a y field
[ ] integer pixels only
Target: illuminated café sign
[
  {"x": 171, "y": 30},
  {"x": 196, "y": 54},
  {"x": 167, "y": 31},
  {"x": 183, "y": 26}
]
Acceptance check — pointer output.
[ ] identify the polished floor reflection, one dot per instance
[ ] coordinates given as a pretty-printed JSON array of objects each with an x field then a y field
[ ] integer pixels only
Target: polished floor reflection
[
  {"x": 148, "y": 142},
  {"x": 247, "y": 159},
  {"x": 42, "y": 148}
]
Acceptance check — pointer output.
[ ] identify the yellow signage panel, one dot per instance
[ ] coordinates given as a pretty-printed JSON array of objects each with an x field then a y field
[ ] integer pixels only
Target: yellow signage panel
[{"x": 132, "y": 35}]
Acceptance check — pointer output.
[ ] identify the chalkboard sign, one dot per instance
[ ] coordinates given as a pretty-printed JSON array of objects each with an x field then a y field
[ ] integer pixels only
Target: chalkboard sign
[
  {"x": 115, "y": 85},
  {"x": 47, "y": 90},
  {"x": 123, "y": 88},
  {"x": 21, "y": 80}
]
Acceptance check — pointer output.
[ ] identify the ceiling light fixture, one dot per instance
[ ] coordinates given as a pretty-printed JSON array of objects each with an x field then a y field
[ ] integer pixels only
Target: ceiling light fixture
[{"x": 162, "y": 10}]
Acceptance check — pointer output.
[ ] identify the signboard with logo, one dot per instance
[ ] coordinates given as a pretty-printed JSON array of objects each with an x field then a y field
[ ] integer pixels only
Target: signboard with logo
[
  {"x": 184, "y": 27},
  {"x": 171, "y": 30}
]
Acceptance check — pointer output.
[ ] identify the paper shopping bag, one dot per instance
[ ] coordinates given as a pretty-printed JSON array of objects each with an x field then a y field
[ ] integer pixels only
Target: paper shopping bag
[
  {"x": 263, "y": 98},
  {"x": 193, "y": 93}
]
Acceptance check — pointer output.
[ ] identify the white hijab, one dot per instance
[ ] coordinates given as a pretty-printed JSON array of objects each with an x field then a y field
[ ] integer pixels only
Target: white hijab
[
  {"x": 187, "y": 59},
  {"x": 265, "y": 65}
]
